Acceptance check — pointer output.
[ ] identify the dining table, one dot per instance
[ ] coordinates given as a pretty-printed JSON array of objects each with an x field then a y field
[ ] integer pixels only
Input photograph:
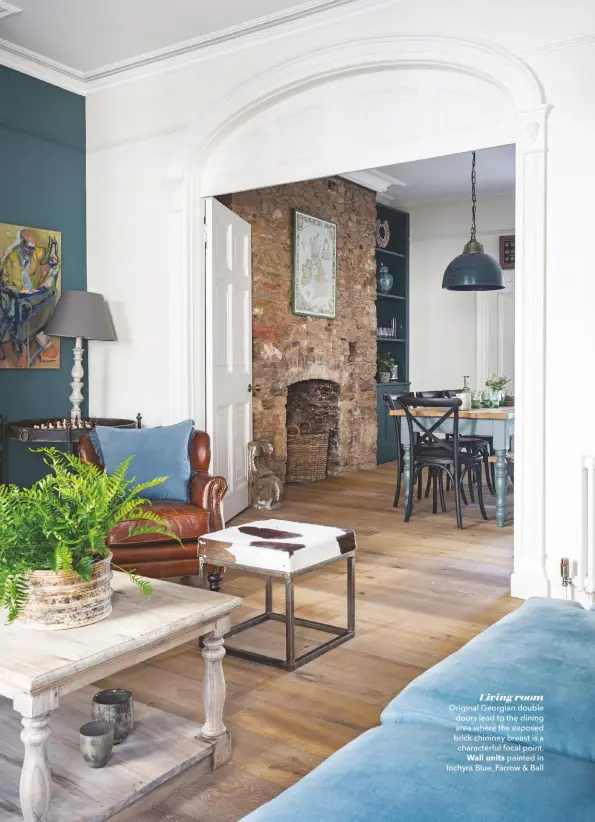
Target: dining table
[{"x": 497, "y": 423}]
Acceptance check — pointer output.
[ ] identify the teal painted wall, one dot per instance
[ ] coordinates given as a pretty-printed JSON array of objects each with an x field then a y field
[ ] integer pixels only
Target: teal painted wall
[{"x": 42, "y": 184}]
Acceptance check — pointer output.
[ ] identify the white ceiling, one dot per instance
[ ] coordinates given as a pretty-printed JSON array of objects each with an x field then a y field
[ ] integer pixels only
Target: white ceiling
[
  {"x": 449, "y": 177},
  {"x": 88, "y": 35}
]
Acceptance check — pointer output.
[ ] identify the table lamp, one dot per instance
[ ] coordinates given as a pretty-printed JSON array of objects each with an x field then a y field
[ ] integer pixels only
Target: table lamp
[{"x": 84, "y": 316}]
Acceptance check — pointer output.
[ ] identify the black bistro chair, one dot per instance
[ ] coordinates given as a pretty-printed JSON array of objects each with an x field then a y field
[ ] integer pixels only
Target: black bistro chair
[
  {"x": 484, "y": 444},
  {"x": 392, "y": 404},
  {"x": 441, "y": 456},
  {"x": 390, "y": 400}
]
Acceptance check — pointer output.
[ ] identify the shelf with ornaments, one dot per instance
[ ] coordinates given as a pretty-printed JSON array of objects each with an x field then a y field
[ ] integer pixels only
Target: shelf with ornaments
[{"x": 392, "y": 311}]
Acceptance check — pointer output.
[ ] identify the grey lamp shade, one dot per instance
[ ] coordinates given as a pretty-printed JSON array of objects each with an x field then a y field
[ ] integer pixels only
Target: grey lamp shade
[
  {"x": 473, "y": 271},
  {"x": 82, "y": 314}
]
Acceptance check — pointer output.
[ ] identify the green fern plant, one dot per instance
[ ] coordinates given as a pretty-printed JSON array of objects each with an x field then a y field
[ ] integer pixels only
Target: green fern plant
[{"x": 61, "y": 522}]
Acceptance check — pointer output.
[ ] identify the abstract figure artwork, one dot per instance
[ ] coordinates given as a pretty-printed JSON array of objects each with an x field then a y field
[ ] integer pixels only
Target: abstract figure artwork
[
  {"x": 30, "y": 286},
  {"x": 314, "y": 266},
  {"x": 266, "y": 489}
]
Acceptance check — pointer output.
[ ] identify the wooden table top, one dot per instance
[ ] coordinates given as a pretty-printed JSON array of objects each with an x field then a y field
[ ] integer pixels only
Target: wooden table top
[
  {"x": 504, "y": 413},
  {"x": 32, "y": 661}
]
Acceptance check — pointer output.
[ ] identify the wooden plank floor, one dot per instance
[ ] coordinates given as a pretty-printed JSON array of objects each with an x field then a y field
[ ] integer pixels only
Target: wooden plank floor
[{"x": 423, "y": 590}]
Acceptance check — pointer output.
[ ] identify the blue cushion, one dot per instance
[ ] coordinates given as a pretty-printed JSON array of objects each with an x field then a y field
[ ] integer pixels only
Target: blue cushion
[
  {"x": 398, "y": 773},
  {"x": 158, "y": 452},
  {"x": 543, "y": 648}
]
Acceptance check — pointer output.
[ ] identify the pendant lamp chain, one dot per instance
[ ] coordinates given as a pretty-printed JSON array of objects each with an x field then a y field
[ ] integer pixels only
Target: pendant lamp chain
[
  {"x": 473, "y": 199},
  {"x": 473, "y": 270},
  {"x": 473, "y": 247}
]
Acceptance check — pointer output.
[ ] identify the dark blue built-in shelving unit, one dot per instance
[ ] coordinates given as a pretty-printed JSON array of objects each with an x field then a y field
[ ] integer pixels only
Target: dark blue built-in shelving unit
[{"x": 394, "y": 305}]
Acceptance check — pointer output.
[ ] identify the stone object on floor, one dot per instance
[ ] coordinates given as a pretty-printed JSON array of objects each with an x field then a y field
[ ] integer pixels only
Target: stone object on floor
[{"x": 266, "y": 490}]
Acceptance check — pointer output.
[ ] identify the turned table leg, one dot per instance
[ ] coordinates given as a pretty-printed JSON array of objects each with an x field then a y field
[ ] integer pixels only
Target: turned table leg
[
  {"x": 36, "y": 778},
  {"x": 213, "y": 687},
  {"x": 406, "y": 470},
  {"x": 501, "y": 478},
  {"x": 212, "y": 574}
]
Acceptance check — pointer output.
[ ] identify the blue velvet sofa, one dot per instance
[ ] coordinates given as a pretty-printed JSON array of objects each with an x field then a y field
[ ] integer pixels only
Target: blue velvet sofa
[{"x": 537, "y": 663}]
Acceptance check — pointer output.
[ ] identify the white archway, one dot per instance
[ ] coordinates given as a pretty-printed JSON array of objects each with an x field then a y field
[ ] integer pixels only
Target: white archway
[{"x": 497, "y": 71}]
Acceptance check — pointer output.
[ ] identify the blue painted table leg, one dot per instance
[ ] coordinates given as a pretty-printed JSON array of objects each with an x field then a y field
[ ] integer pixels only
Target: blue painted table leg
[
  {"x": 501, "y": 472},
  {"x": 406, "y": 471}
]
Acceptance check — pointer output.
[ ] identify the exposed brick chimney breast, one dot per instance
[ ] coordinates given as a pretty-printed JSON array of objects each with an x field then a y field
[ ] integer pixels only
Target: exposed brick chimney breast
[{"x": 327, "y": 366}]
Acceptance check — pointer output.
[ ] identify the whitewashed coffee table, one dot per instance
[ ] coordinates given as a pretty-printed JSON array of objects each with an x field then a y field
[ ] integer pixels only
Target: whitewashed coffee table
[
  {"x": 279, "y": 548},
  {"x": 39, "y": 668}
]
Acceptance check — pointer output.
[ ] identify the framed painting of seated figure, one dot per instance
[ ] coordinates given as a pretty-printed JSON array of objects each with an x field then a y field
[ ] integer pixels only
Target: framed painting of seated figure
[{"x": 30, "y": 286}]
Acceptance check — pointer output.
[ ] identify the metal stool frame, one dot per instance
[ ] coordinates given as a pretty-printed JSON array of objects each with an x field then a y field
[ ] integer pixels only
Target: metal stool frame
[{"x": 291, "y": 662}]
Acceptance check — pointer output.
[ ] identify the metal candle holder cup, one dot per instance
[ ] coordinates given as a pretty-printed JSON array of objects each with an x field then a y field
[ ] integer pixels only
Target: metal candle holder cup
[
  {"x": 115, "y": 705},
  {"x": 96, "y": 741}
]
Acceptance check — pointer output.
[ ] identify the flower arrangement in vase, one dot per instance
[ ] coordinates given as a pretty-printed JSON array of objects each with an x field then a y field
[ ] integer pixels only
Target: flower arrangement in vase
[{"x": 497, "y": 389}]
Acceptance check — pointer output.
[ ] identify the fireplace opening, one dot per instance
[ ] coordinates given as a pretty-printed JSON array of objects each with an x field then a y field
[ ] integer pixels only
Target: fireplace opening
[{"x": 317, "y": 402}]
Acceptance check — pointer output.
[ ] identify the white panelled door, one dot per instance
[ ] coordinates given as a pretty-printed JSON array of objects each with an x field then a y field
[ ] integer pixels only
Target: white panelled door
[
  {"x": 495, "y": 332},
  {"x": 229, "y": 348}
]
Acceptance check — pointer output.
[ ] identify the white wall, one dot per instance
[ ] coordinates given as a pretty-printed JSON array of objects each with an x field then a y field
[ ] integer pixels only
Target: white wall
[
  {"x": 127, "y": 235},
  {"x": 138, "y": 136},
  {"x": 443, "y": 324}
]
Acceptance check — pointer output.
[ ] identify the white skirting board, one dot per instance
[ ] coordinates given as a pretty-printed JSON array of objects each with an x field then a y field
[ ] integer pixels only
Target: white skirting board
[{"x": 160, "y": 747}]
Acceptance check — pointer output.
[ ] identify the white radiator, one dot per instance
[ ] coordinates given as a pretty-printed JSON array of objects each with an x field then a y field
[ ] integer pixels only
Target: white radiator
[{"x": 585, "y": 576}]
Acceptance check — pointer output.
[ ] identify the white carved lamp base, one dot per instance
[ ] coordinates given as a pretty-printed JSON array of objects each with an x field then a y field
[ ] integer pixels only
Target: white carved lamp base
[{"x": 77, "y": 374}]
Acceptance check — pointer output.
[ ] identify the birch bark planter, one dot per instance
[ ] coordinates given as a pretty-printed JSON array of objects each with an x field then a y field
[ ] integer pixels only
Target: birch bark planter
[{"x": 57, "y": 601}]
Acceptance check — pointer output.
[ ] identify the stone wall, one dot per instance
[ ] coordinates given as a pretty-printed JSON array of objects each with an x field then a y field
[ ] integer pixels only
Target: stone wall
[{"x": 289, "y": 348}]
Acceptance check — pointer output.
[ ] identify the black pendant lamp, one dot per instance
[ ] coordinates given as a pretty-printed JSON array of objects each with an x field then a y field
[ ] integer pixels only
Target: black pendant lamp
[{"x": 473, "y": 270}]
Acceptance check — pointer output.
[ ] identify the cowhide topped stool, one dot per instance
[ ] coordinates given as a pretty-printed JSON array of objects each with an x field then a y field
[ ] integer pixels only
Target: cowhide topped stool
[{"x": 276, "y": 548}]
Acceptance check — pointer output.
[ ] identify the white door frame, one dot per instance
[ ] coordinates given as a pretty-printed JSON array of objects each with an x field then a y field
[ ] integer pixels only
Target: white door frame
[{"x": 486, "y": 62}]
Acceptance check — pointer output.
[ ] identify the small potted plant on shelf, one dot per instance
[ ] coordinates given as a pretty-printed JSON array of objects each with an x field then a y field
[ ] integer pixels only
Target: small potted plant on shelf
[
  {"x": 384, "y": 365},
  {"x": 54, "y": 559},
  {"x": 497, "y": 389}
]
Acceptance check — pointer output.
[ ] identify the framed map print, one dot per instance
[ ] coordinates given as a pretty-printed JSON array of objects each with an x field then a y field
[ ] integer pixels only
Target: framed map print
[{"x": 314, "y": 266}]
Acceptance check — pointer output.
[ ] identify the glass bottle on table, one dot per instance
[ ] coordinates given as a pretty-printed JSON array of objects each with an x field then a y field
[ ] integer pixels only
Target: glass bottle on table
[{"x": 465, "y": 395}]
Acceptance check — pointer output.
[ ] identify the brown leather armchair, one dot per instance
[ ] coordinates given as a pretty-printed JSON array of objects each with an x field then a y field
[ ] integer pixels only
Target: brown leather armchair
[{"x": 155, "y": 555}]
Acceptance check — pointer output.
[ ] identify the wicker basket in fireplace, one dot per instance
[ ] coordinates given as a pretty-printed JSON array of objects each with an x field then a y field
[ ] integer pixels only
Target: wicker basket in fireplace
[{"x": 307, "y": 454}]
